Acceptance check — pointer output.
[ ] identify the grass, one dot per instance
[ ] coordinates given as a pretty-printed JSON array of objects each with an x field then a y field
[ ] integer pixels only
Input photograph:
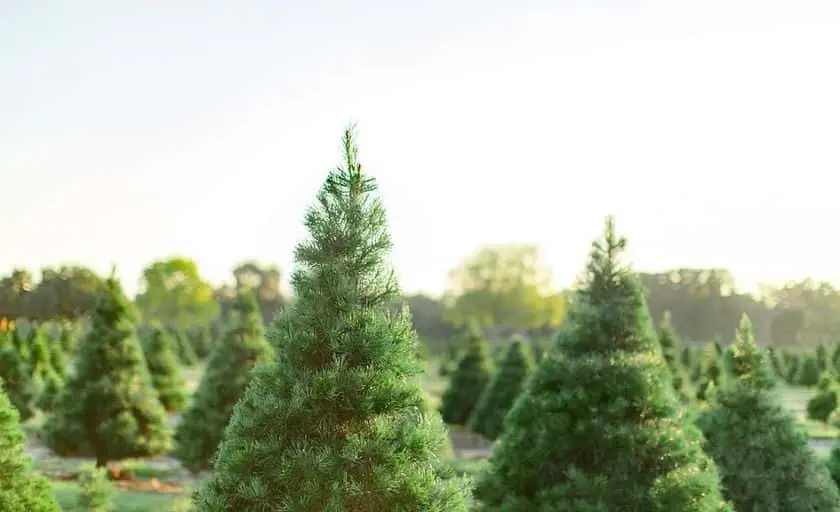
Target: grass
[{"x": 67, "y": 494}]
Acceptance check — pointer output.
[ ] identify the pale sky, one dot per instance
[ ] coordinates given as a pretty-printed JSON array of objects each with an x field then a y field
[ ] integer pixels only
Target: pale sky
[{"x": 131, "y": 131}]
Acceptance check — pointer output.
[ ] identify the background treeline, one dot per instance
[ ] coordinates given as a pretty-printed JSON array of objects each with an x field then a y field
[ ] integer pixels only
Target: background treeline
[{"x": 505, "y": 289}]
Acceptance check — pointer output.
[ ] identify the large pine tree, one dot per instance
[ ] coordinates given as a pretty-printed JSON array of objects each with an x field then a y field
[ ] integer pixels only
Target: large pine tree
[
  {"x": 598, "y": 426},
  {"x": 499, "y": 395},
  {"x": 469, "y": 379},
  {"x": 761, "y": 452},
  {"x": 226, "y": 375},
  {"x": 338, "y": 422},
  {"x": 21, "y": 490},
  {"x": 109, "y": 407},
  {"x": 165, "y": 370}
]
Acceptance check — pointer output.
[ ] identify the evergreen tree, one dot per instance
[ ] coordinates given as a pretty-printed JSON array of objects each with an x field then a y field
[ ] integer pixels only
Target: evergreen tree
[
  {"x": 109, "y": 407},
  {"x": 21, "y": 344},
  {"x": 57, "y": 359},
  {"x": 184, "y": 348},
  {"x": 338, "y": 422},
  {"x": 835, "y": 358},
  {"x": 51, "y": 385},
  {"x": 21, "y": 490},
  {"x": 792, "y": 364},
  {"x": 711, "y": 376},
  {"x": 821, "y": 405},
  {"x": 809, "y": 373},
  {"x": 498, "y": 396},
  {"x": 202, "y": 342},
  {"x": 761, "y": 451},
  {"x": 775, "y": 362},
  {"x": 687, "y": 357},
  {"x": 20, "y": 388},
  {"x": 67, "y": 339},
  {"x": 165, "y": 370},
  {"x": 670, "y": 347},
  {"x": 468, "y": 380},
  {"x": 822, "y": 357},
  {"x": 227, "y": 374},
  {"x": 598, "y": 426}
]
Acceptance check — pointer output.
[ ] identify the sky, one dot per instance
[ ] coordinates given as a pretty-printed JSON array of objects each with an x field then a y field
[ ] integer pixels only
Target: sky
[{"x": 133, "y": 131}]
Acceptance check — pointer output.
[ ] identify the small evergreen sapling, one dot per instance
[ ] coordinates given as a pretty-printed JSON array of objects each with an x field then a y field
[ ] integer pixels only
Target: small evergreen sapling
[
  {"x": 670, "y": 347},
  {"x": 498, "y": 396},
  {"x": 226, "y": 375},
  {"x": 109, "y": 408},
  {"x": 21, "y": 490},
  {"x": 598, "y": 427},
  {"x": 338, "y": 422},
  {"x": 792, "y": 365},
  {"x": 468, "y": 380},
  {"x": 21, "y": 389},
  {"x": 183, "y": 348},
  {"x": 821, "y": 405},
  {"x": 761, "y": 451},
  {"x": 809, "y": 373},
  {"x": 165, "y": 370}
]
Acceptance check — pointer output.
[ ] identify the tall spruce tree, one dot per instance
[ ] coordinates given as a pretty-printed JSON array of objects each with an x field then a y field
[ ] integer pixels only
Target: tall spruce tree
[
  {"x": 109, "y": 408},
  {"x": 338, "y": 422},
  {"x": 468, "y": 380},
  {"x": 598, "y": 426},
  {"x": 21, "y": 490},
  {"x": 226, "y": 376},
  {"x": 761, "y": 452},
  {"x": 498, "y": 396},
  {"x": 670, "y": 348},
  {"x": 165, "y": 370}
]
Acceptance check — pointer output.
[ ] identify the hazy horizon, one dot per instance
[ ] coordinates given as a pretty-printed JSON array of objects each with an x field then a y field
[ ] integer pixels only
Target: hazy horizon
[{"x": 132, "y": 133}]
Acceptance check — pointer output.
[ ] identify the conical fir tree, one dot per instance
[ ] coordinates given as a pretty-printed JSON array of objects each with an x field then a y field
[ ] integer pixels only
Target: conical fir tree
[
  {"x": 21, "y": 490},
  {"x": 598, "y": 426},
  {"x": 469, "y": 379},
  {"x": 20, "y": 387},
  {"x": 338, "y": 422},
  {"x": 498, "y": 396},
  {"x": 670, "y": 349},
  {"x": 183, "y": 348},
  {"x": 227, "y": 374},
  {"x": 762, "y": 453},
  {"x": 109, "y": 408},
  {"x": 165, "y": 370}
]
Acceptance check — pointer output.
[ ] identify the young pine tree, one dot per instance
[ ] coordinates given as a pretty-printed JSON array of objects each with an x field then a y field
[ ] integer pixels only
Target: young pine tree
[
  {"x": 338, "y": 422},
  {"x": 20, "y": 388},
  {"x": 793, "y": 362},
  {"x": 226, "y": 376},
  {"x": 21, "y": 490},
  {"x": 202, "y": 340},
  {"x": 821, "y": 354},
  {"x": 183, "y": 348},
  {"x": 821, "y": 405},
  {"x": 165, "y": 370},
  {"x": 498, "y": 396},
  {"x": 468, "y": 380},
  {"x": 598, "y": 426},
  {"x": 109, "y": 408},
  {"x": 809, "y": 372},
  {"x": 776, "y": 362},
  {"x": 670, "y": 348},
  {"x": 761, "y": 452}
]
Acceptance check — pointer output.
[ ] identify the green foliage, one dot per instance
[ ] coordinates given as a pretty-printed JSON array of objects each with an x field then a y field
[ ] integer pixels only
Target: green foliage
[
  {"x": 57, "y": 359},
  {"x": 762, "y": 453},
  {"x": 21, "y": 344},
  {"x": 833, "y": 463},
  {"x": 775, "y": 362},
  {"x": 504, "y": 285},
  {"x": 202, "y": 341},
  {"x": 792, "y": 364},
  {"x": 52, "y": 384},
  {"x": 21, "y": 490},
  {"x": 822, "y": 357},
  {"x": 165, "y": 370},
  {"x": 687, "y": 357},
  {"x": 67, "y": 339},
  {"x": 835, "y": 358},
  {"x": 20, "y": 387},
  {"x": 183, "y": 348},
  {"x": 670, "y": 348},
  {"x": 468, "y": 380},
  {"x": 109, "y": 407},
  {"x": 40, "y": 361},
  {"x": 338, "y": 421},
  {"x": 598, "y": 427},
  {"x": 821, "y": 405},
  {"x": 711, "y": 372},
  {"x": 226, "y": 375},
  {"x": 498, "y": 396},
  {"x": 174, "y": 293},
  {"x": 809, "y": 372},
  {"x": 97, "y": 491}
]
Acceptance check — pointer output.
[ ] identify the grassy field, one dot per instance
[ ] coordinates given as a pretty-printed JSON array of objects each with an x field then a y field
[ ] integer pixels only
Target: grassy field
[{"x": 159, "y": 484}]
